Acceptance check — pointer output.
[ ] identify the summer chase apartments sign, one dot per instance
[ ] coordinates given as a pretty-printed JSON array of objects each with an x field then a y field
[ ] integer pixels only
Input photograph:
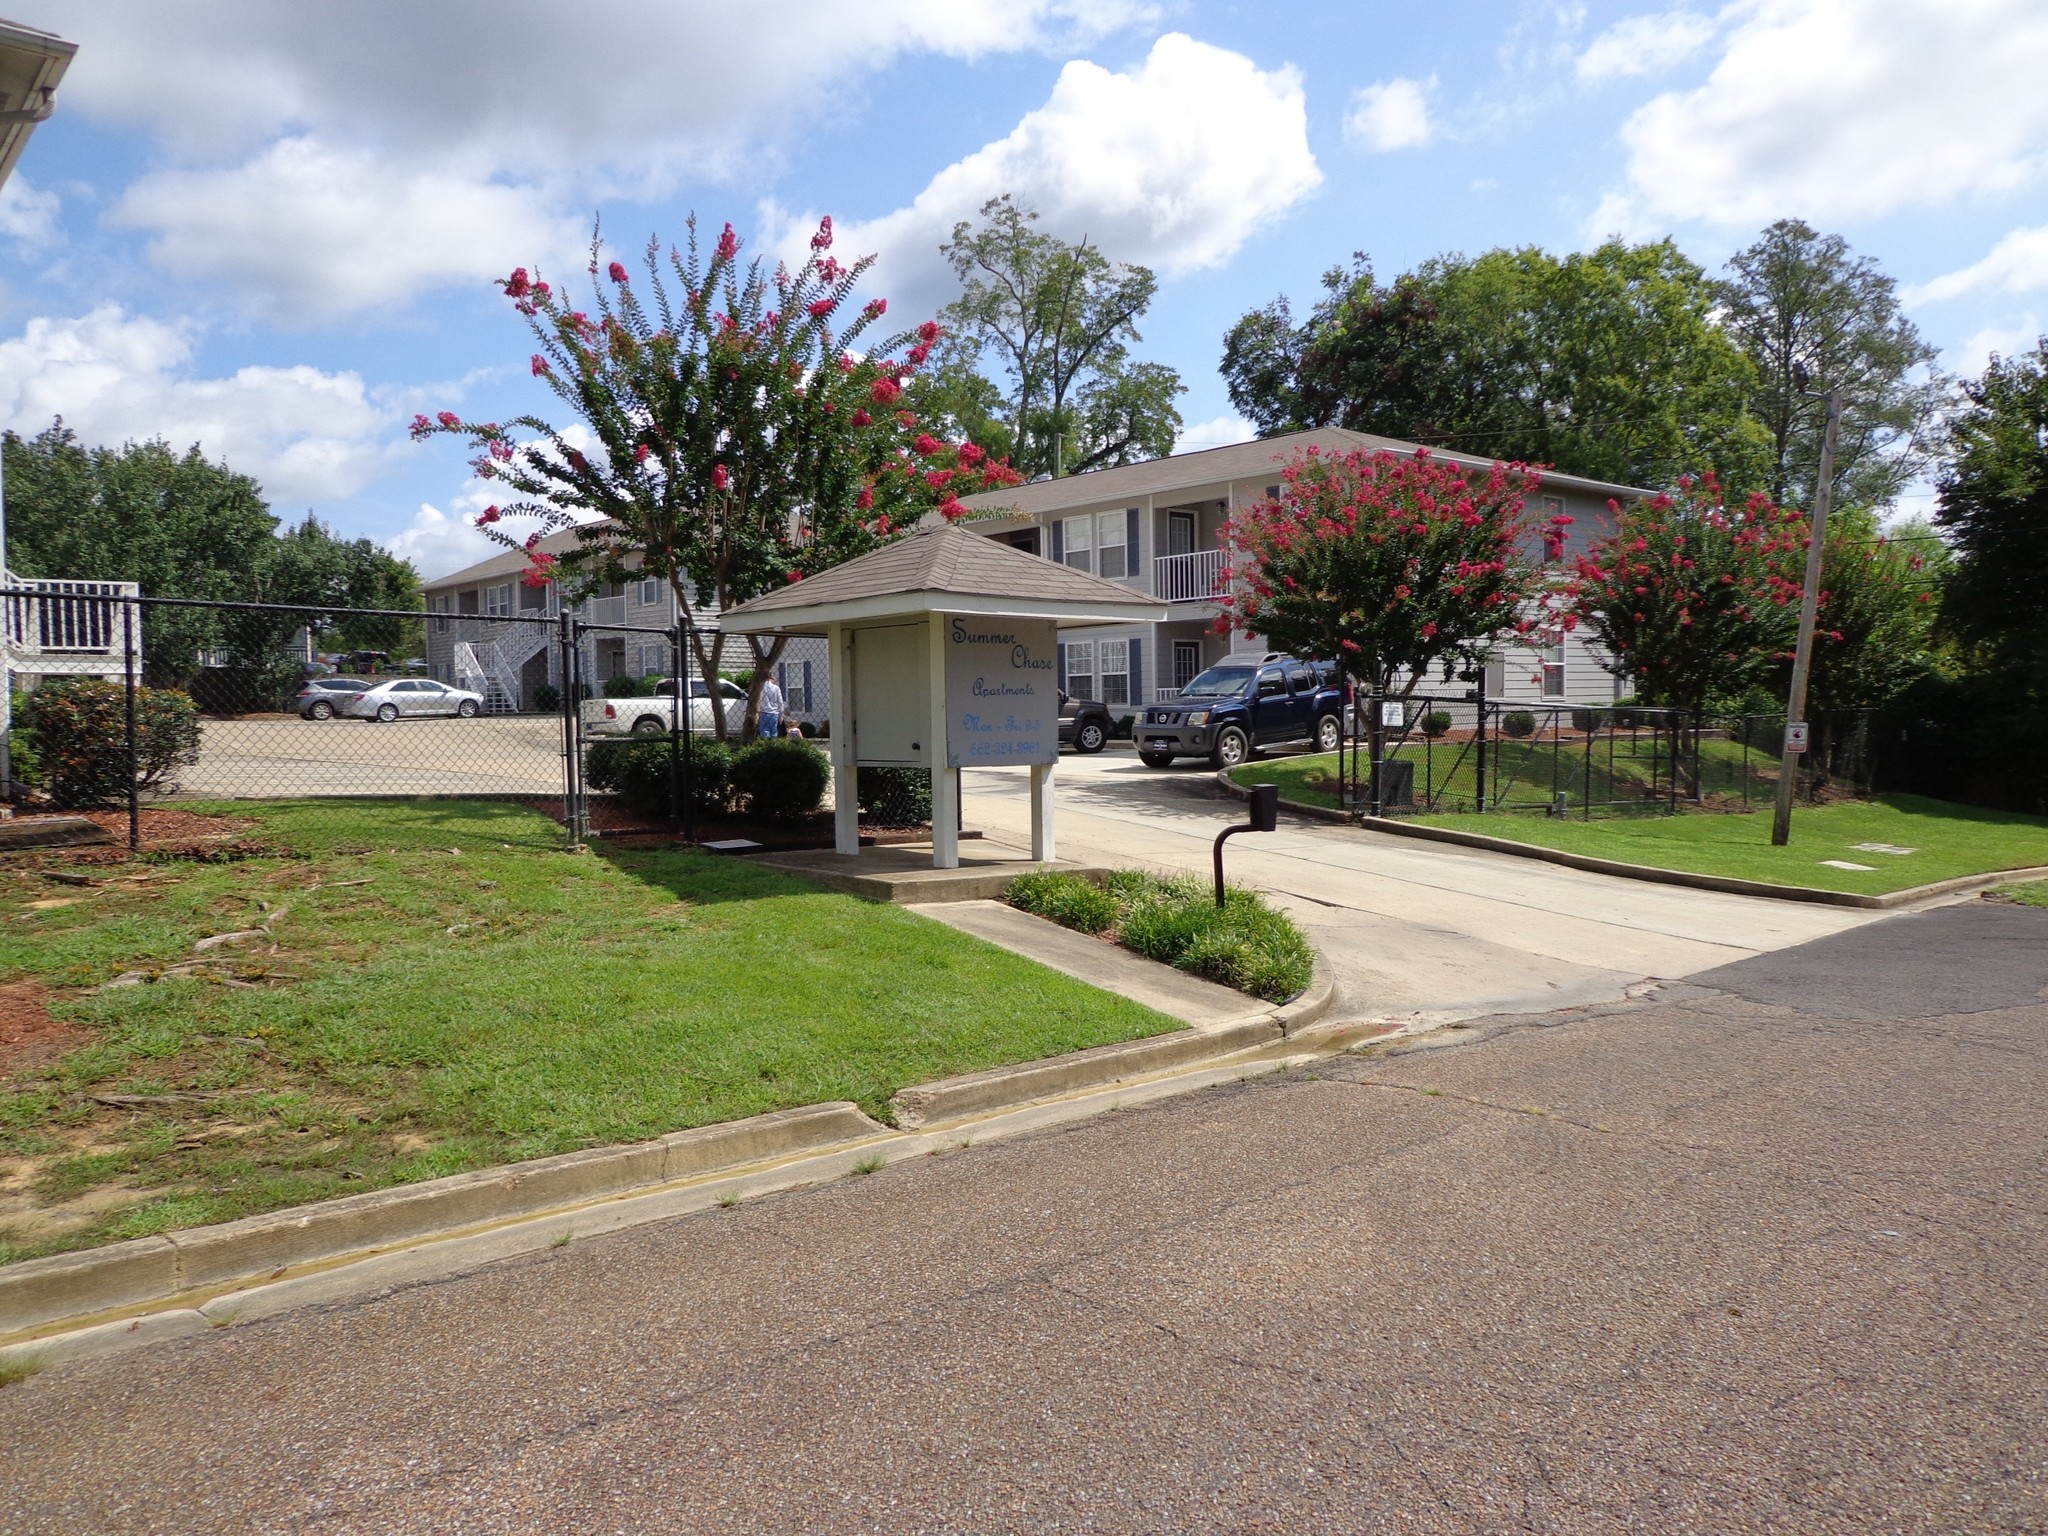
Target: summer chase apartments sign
[{"x": 1002, "y": 692}]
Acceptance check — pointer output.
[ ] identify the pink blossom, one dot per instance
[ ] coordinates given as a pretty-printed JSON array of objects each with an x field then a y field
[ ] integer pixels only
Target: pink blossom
[
  {"x": 728, "y": 244},
  {"x": 421, "y": 426},
  {"x": 618, "y": 272},
  {"x": 822, "y": 240},
  {"x": 865, "y": 499},
  {"x": 885, "y": 391},
  {"x": 928, "y": 332},
  {"x": 926, "y": 444},
  {"x": 719, "y": 478},
  {"x": 487, "y": 516},
  {"x": 518, "y": 285},
  {"x": 876, "y": 308},
  {"x": 540, "y": 366},
  {"x": 795, "y": 577},
  {"x": 640, "y": 453},
  {"x": 449, "y": 419},
  {"x": 861, "y": 418},
  {"x": 820, "y": 308}
]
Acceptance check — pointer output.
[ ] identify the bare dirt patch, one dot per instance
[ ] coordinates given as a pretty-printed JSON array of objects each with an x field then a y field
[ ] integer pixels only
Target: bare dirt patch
[
  {"x": 165, "y": 833},
  {"x": 29, "y": 1037}
]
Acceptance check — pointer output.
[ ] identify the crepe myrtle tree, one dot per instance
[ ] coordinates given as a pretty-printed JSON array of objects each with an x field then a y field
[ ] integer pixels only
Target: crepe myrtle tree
[
  {"x": 1397, "y": 566},
  {"x": 1694, "y": 601},
  {"x": 746, "y": 429}
]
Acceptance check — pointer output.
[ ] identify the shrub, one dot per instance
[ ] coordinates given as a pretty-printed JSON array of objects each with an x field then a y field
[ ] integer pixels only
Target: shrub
[
  {"x": 1518, "y": 723},
  {"x": 1068, "y": 900},
  {"x": 637, "y": 773},
  {"x": 1244, "y": 944},
  {"x": 780, "y": 780},
  {"x": 547, "y": 698},
  {"x": 1589, "y": 721},
  {"x": 896, "y": 797},
  {"x": 623, "y": 686},
  {"x": 1436, "y": 722},
  {"x": 1123, "y": 727},
  {"x": 81, "y": 739}
]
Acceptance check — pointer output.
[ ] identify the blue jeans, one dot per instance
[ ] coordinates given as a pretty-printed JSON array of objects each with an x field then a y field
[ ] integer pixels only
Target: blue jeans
[{"x": 771, "y": 724}]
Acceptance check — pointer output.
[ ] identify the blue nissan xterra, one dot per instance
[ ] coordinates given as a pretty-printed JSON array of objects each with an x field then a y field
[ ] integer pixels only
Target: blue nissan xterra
[{"x": 1236, "y": 707}]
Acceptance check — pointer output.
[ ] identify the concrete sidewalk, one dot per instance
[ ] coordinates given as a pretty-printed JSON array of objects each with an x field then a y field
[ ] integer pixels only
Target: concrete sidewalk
[{"x": 1202, "y": 1004}]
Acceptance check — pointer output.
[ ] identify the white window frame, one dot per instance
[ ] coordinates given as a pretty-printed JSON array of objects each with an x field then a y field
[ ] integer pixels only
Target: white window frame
[
  {"x": 1083, "y": 653},
  {"x": 1111, "y": 531},
  {"x": 650, "y": 591},
  {"x": 1078, "y": 552},
  {"x": 438, "y": 605},
  {"x": 1113, "y": 661},
  {"x": 1191, "y": 651},
  {"x": 1550, "y": 677},
  {"x": 497, "y": 601}
]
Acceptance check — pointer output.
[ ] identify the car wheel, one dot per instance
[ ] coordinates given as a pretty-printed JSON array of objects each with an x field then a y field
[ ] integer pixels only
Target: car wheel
[
  {"x": 647, "y": 726},
  {"x": 1090, "y": 737},
  {"x": 1155, "y": 759},
  {"x": 387, "y": 712},
  {"x": 1329, "y": 734},
  {"x": 466, "y": 709},
  {"x": 1232, "y": 748},
  {"x": 320, "y": 709}
]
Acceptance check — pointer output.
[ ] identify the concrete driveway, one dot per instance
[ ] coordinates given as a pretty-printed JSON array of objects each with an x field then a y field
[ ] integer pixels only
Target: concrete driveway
[
  {"x": 273, "y": 757},
  {"x": 1415, "y": 930},
  {"x": 1765, "y": 1254}
]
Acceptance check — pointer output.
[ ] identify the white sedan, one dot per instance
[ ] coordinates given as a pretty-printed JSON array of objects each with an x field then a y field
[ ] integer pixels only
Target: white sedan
[{"x": 408, "y": 696}]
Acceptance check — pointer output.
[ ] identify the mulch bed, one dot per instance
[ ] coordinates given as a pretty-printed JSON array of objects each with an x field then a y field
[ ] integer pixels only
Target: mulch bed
[
  {"x": 29, "y": 1037},
  {"x": 166, "y": 833},
  {"x": 619, "y": 827}
]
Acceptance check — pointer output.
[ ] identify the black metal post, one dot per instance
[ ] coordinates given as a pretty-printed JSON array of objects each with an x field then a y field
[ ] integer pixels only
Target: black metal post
[
  {"x": 678, "y": 726},
  {"x": 571, "y": 766},
  {"x": 1376, "y": 739},
  {"x": 1479, "y": 749},
  {"x": 1265, "y": 816},
  {"x": 134, "y": 757}
]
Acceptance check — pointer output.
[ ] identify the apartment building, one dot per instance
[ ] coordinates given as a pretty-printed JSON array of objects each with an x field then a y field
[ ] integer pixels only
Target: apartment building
[{"x": 1157, "y": 527}]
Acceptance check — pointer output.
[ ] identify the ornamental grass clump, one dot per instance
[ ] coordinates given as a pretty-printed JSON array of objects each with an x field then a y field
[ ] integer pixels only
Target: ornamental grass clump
[{"x": 1244, "y": 944}]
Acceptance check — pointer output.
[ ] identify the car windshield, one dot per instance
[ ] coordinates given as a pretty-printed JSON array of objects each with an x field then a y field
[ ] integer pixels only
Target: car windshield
[
  {"x": 347, "y": 684},
  {"x": 1219, "y": 683}
]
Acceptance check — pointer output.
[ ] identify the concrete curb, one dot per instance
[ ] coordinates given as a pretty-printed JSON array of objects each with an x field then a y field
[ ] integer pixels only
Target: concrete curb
[
  {"x": 145, "y": 1271},
  {"x": 1728, "y": 884}
]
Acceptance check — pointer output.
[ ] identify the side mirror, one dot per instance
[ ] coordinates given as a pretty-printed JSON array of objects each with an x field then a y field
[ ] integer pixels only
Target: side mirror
[{"x": 1265, "y": 807}]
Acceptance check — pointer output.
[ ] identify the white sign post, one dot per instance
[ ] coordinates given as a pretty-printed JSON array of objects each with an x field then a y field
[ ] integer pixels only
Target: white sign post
[
  {"x": 1003, "y": 705},
  {"x": 1795, "y": 736}
]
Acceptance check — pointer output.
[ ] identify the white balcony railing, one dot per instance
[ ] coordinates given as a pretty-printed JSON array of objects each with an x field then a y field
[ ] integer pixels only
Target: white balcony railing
[
  {"x": 1191, "y": 578},
  {"x": 42, "y": 617}
]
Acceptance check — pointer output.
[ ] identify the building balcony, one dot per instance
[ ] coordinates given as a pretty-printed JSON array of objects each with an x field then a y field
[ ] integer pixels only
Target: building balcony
[
  {"x": 44, "y": 620},
  {"x": 1190, "y": 578}
]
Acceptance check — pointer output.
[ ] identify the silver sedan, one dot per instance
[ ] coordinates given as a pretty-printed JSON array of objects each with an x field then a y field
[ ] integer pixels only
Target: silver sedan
[{"x": 407, "y": 696}]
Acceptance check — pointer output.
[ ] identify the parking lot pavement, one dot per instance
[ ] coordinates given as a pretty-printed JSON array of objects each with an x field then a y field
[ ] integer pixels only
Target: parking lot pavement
[
  {"x": 277, "y": 757},
  {"x": 1724, "y": 1261},
  {"x": 1413, "y": 929}
]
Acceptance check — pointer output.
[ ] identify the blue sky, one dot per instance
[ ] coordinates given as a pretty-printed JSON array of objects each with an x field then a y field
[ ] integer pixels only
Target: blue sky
[{"x": 276, "y": 238}]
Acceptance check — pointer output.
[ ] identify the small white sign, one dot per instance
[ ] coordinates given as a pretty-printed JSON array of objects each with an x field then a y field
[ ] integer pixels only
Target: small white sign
[
  {"x": 1795, "y": 736},
  {"x": 1393, "y": 712},
  {"x": 1002, "y": 692}
]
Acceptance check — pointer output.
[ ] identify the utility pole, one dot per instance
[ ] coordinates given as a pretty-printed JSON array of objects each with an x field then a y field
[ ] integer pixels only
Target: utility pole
[{"x": 1809, "y": 606}]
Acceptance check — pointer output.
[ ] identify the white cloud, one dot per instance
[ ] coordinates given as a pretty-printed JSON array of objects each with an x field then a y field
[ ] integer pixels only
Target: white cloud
[
  {"x": 1970, "y": 358},
  {"x": 1218, "y": 432},
  {"x": 2017, "y": 264},
  {"x": 1833, "y": 110},
  {"x": 397, "y": 125},
  {"x": 308, "y": 233},
  {"x": 1175, "y": 164},
  {"x": 1644, "y": 45},
  {"x": 438, "y": 542},
  {"x": 28, "y": 215},
  {"x": 1394, "y": 114},
  {"x": 307, "y": 436}
]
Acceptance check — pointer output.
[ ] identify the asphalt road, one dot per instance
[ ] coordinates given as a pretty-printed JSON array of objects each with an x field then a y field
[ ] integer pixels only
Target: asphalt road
[
  {"x": 1763, "y": 1253},
  {"x": 281, "y": 757}
]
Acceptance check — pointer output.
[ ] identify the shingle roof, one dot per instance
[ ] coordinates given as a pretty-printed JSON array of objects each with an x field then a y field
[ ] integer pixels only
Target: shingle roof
[
  {"x": 511, "y": 562},
  {"x": 1238, "y": 461},
  {"x": 947, "y": 561}
]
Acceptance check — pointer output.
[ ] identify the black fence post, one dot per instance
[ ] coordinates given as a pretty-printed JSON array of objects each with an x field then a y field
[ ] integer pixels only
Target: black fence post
[
  {"x": 678, "y": 727},
  {"x": 1479, "y": 750},
  {"x": 571, "y": 765},
  {"x": 134, "y": 754}
]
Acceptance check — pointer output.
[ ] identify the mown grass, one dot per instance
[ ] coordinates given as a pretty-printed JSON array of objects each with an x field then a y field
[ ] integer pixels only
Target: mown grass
[
  {"x": 2032, "y": 894},
  {"x": 444, "y": 988},
  {"x": 1947, "y": 840}
]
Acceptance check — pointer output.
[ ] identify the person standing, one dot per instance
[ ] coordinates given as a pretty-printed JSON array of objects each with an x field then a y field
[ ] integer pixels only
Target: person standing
[{"x": 772, "y": 705}]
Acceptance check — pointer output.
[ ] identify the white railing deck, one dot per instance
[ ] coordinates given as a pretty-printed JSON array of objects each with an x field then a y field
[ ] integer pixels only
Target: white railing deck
[
  {"x": 42, "y": 618},
  {"x": 1190, "y": 578}
]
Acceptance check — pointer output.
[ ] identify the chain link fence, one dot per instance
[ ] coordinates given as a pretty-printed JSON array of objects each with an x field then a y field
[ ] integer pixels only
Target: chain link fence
[{"x": 147, "y": 709}]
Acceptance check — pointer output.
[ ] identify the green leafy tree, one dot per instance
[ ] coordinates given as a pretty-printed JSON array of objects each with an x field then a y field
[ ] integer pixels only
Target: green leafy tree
[
  {"x": 1607, "y": 364},
  {"x": 1994, "y": 511},
  {"x": 747, "y": 429},
  {"x": 1058, "y": 320},
  {"x": 1874, "y": 638},
  {"x": 1692, "y": 600},
  {"x": 1799, "y": 303}
]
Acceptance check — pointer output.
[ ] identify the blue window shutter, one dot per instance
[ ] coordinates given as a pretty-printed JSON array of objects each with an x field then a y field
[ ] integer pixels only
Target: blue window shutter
[
  {"x": 807, "y": 684},
  {"x": 1137, "y": 668},
  {"x": 1059, "y": 554},
  {"x": 1063, "y": 656},
  {"x": 1131, "y": 523}
]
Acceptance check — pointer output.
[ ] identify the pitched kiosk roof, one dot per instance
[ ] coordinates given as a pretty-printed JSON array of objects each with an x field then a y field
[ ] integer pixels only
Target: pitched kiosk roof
[
  {"x": 1238, "y": 461},
  {"x": 944, "y": 569}
]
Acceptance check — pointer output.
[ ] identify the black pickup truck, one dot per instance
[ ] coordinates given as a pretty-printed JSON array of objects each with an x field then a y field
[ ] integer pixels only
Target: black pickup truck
[
  {"x": 1236, "y": 707},
  {"x": 1084, "y": 724}
]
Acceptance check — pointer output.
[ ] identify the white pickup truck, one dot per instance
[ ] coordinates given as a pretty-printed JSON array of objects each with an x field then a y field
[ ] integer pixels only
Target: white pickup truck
[{"x": 655, "y": 715}]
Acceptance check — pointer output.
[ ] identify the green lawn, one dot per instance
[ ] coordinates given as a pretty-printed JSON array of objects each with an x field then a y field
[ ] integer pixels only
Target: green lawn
[
  {"x": 1946, "y": 839},
  {"x": 1620, "y": 770},
  {"x": 463, "y": 993}
]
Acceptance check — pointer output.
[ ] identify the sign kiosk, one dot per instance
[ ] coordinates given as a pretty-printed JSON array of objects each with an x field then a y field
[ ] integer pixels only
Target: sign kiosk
[{"x": 943, "y": 655}]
